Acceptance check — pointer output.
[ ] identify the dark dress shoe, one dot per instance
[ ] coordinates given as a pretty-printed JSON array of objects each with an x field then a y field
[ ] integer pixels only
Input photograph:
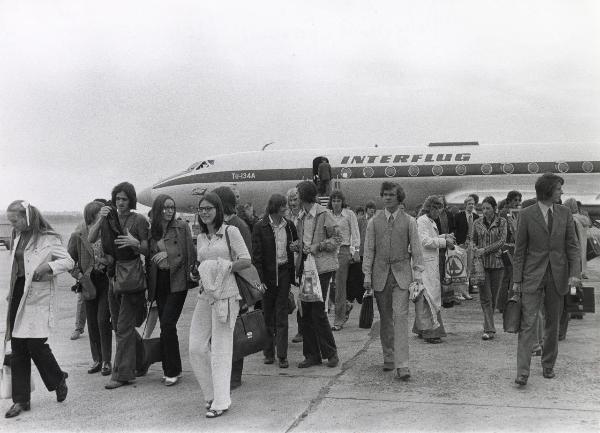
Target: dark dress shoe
[
  {"x": 106, "y": 369},
  {"x": 269, "y": 360},
  {"x": 403, "y": 374},
  {"x": 283, "y": 363},
  {"x": 234, "y": 385},
  {"x": 333, "y": 361},
  {"x": 62, "y": 390},
  {"x": 521, "y": 380},
  {"x": 143, "y": 371},
  {"x": 95, "y": 368},
  {"x": 297, "y": 338},
  {"x": 548, "y": 373},
  {"x": 436, "y": 340},
  {"x": 388, "y": 367},
  {"x": 308, "y": 363},
  {"x": 16, "y": 409},
  {"x": 113, "y": 384}
]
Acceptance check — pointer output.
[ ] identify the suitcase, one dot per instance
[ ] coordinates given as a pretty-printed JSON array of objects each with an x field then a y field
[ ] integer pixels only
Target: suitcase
[{"x": 582, "y": 302}]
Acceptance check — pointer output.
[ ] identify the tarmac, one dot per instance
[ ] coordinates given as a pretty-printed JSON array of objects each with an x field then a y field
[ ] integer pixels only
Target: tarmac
[{"x": 462, "y": 385}]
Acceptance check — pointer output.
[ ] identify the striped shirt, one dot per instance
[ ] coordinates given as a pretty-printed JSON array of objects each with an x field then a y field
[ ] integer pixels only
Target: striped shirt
[{"x": 491, "y": 239}]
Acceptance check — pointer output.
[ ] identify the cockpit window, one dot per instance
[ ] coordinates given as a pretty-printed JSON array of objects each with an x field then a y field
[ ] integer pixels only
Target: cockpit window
[{"x": 205, "y": 164}]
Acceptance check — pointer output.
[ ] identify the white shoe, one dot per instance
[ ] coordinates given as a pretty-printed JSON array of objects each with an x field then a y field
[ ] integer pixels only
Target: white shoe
[
  {"x": 460, "y": 297},
  {"x": 170, "y": 381}
]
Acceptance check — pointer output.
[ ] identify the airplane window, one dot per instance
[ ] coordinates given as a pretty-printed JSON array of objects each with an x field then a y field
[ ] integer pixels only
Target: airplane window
[
  {"x": 508, "y": 168},
  {"x": 413, "y": 170},
  {"x": 461, "y": 169},
  {"x": 390, "y": 171},
  {"x": 368, "y": 172},
  {"x": 486, "y": 169},
  {"x": 437, "y": 170},
  {"x": 533, "y": 168},
  {"x": 587, "y": 166},
  {"x": 563, "y": 167},
  {"x": 346, "y": 172}
]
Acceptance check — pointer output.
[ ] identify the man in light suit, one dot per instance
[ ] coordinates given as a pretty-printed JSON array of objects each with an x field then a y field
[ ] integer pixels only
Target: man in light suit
[
  {"x": 388, "y": 271},
  {"x": 546, "y": 262}
]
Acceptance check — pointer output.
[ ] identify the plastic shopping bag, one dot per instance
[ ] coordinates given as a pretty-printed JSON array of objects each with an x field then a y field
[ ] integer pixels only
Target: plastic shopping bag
[{"x": 310, "y": 286}]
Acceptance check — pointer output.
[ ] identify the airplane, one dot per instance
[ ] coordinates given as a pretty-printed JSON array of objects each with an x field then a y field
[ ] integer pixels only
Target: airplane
[{"x": 453, "y": 169}]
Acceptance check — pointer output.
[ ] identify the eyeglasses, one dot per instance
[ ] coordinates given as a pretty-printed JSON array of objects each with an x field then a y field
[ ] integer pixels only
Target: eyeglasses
[
  {"x": 205, "y": 209},
  {"x": 169, "y": 209}
]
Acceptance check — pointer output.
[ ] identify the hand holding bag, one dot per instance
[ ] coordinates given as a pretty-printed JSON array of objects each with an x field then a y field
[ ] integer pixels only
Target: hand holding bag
[
  {"x": 310, "y": 285},
  {"x": 247, "y": 279},
  {"x": 249, "y": 334},
  {"x": 511, "y": 317},
  {"x": 365, "y": 320}
]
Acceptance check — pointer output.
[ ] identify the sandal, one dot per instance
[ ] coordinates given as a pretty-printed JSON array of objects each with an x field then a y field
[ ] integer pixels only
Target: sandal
[
  {"x": 336, "y": 327},
  {"x": 214, "y": 413}
]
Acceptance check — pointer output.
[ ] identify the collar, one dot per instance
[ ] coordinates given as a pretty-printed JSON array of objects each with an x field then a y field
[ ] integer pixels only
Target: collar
[
  {"x": 221, "y": 231},
  {"x": 280, "y": 225},
  {"x": 545, "y": 208},
  {"x": 312, "y": 212},
  {"x": 343, "y": 213},
  {"x": 388, "y": 214}
]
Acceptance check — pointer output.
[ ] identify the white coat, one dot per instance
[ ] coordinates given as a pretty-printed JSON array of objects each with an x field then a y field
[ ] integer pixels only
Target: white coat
[
  {"x": 35, "y": 315},
  {"x": 431, "y": 241}
]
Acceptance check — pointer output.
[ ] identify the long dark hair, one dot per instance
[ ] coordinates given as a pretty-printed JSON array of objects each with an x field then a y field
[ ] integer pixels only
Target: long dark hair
[
  {"x": 213, "y": 199},
  {"x": 35, "y": 220},
  {"x": 156, "y": 227}
]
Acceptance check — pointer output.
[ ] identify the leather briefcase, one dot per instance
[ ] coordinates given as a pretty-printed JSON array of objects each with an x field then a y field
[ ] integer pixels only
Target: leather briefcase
[
  {"x": 582, "y": 301},
  {"x": 511, "y": 317},
  {"x": 249, "y": 334}
]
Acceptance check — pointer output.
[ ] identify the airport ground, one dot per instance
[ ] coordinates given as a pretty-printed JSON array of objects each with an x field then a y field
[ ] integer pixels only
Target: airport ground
[{"x": 462, "y": 385}]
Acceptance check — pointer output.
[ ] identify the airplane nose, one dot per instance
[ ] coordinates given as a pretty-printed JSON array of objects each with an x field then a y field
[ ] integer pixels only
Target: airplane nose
[{"x": 145, "y": 197}]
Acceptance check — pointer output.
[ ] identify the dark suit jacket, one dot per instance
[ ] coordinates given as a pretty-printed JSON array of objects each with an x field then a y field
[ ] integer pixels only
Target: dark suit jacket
[
  {"x": 535, "y": 248},
  {"x": 461, "y": 226},
  {"x": 264, "y": 250}
]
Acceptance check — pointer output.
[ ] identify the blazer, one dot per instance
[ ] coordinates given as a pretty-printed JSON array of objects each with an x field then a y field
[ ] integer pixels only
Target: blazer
[
  {"x": 264, "y": 250},
  {"x": 461, "y": 226},
  {"x": 35, "y": 314},
  {"x": 391, "y": 250},
  {"x": 535, "y": 248},
  {"x": 181, "y": 255}
]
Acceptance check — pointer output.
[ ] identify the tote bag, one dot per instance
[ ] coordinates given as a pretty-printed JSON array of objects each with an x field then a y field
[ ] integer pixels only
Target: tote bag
[{"x": 310, "y": 286}]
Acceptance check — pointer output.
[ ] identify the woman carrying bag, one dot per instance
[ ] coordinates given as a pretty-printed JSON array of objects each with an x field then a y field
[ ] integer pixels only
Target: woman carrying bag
[
  {"x": 213, "y": 321},
  {"x": 171, "y": 253},
  {"x": 37, "y": 257}
]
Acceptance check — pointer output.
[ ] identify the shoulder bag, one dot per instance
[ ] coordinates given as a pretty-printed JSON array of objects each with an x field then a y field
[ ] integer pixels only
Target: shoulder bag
[{"x": 248, "y": 281}]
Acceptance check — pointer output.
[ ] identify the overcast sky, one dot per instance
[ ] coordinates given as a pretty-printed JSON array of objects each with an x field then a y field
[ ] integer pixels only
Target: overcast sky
[{"x": 93, "y": 93}]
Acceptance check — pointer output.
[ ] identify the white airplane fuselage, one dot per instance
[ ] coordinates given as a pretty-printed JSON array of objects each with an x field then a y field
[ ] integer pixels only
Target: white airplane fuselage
[{"x": 451, "y": 170}]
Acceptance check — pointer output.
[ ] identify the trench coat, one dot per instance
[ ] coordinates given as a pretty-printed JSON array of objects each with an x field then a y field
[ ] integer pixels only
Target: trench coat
[
  {"x": 35, "y": 315},
  {"x": 431, "y": 241}
]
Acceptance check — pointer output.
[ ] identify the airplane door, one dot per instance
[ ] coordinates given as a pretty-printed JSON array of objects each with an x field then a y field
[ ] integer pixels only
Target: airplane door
[{"x": 315, "y": 167}]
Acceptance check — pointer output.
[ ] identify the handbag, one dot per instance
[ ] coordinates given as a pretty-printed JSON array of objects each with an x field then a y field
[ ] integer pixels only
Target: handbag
[
  {"x": 291, "y": 303},
  {"x": 355, "y": 285},
  {"x": 478, "y": 272},
  {"x": 423, "y": 316},
  {"x": 310, "y": 285},
  {"x": 249, "y": 334},
  {"x": 582, "y": 301},
  {"x": 511, "y": 317},
  {"x": 593, "y": 243},
  {"x": 365, "y": 320},
  {"x": 6, "y": 377},
  {"x": 89, "y": 289},
  {"x": 506, "y": 258},
  {"x": 129, "y": 277},
  {"x": 248, "y": 281},
  {"x": 152, "y": 346}
]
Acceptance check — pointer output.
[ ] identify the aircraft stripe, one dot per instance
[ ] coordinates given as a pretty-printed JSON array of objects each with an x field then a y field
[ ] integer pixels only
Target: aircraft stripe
[{"x": 388, "y": 172}]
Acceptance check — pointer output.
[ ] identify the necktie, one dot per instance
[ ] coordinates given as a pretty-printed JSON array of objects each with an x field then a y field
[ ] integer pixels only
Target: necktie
[
  {"x": 391, "y": 221},
  {"x": 550, "y": 220},
  {"x": 470, "y": 225}
]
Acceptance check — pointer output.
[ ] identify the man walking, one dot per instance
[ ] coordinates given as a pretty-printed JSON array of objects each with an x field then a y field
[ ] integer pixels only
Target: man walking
[
  {"x": 546, "y": 262},
  {"x": 388, "y": 271}
]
